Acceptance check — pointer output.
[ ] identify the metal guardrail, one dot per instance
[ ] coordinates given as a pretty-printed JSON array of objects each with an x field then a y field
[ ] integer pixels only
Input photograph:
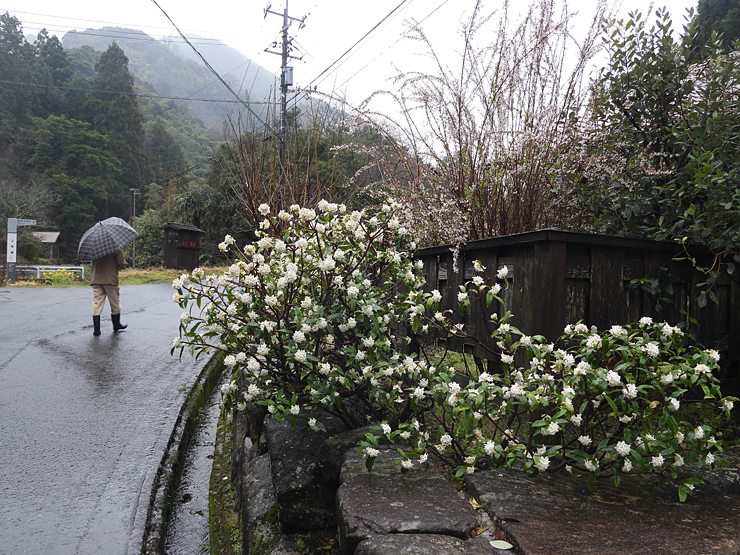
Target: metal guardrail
[{"x": 25, "y": 267}]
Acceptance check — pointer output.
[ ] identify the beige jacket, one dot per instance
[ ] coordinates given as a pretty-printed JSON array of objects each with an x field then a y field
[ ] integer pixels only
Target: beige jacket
[{"x": 105, "y": 269}]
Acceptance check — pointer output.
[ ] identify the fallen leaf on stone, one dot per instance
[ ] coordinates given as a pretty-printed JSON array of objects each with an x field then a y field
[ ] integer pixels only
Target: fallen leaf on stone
[
  {"x": 475, "y": 504},
  {"x": 501, "y": 544},
  {"x": 478, "y": 531}
]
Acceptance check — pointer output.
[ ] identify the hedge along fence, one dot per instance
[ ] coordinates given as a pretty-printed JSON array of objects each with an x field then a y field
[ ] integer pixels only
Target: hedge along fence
[{"x": 561, "y": 277}]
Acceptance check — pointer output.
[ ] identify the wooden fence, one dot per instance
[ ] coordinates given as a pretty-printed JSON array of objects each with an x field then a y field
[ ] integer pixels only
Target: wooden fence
[{"x": 560, "y": 277}]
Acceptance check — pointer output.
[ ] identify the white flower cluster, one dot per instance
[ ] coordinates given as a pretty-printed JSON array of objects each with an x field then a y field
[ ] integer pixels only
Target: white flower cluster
[
  {"x": 302, "y": 303},
  {"x": 315, "y": 316}
]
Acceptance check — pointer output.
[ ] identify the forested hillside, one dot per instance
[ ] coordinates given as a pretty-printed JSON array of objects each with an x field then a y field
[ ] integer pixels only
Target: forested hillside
[
  {"x": 93, "y": 126},
  {"x": 79, "y": 135},
  {"x": 172, "y": 69},
  {"x": 648, "y": 147}
]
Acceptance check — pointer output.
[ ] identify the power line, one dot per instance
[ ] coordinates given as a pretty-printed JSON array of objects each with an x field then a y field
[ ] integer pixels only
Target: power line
[
  {"x": 248, "y": 63},
  {"x": 124, "y": 35},
  {"x": 130, "y": 36},
  {"x": 358, "y": 42},
  {"x": 384, "y": 23},
  {"x": 224, "y": 83},
  {"x": 130, "y": 25},
  {"x": 399, "y": 39},
  {"x": 296, "y": 98},
  {"x": 116, "y": 93},
  {"x": 299, "y": 96}
]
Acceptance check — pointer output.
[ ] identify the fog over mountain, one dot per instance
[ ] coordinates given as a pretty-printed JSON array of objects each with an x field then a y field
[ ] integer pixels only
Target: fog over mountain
[{"x": 171, "y": 68}]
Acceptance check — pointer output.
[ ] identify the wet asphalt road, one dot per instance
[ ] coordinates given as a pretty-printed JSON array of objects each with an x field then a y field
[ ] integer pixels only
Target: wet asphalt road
[{"x": 84, "y": 421}]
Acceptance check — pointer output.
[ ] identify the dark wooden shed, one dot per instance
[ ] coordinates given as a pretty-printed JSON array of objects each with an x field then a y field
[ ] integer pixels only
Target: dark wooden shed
[
  {"x": 181, "y": 246},
  {"x": 559, "y": 277}
]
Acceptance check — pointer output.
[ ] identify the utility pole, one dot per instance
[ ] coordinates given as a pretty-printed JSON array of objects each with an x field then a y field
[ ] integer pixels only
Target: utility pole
[
  {"x": 133, "y": 193},
  {"x": 286, "y": 80}
]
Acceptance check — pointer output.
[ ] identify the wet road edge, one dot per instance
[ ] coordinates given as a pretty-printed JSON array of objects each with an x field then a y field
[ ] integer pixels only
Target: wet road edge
[{"x": 167, "y": 481}]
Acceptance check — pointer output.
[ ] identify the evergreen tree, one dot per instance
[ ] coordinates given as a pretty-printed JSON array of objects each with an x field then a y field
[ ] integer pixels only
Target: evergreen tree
[
  {"x": 662, "y": 154},
  {"x": 19, "y": 68},
  {"x": 80, "y": 170},
  {"x": 165, "y": 155},
  {"x": 53, "y": 56},
  {"x": 113, "y": 111},
  {"x": 721, "y": 16},
  {"x": 150, "y": 245},
  {"x": 82, "y": 63},
  {"x": 52, "y": 53}
]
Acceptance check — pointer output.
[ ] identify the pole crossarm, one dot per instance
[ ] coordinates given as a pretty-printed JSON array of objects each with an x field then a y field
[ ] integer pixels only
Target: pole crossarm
[
  {"x": 280, "y": 54},
  {"x": 302, "y": 20}
]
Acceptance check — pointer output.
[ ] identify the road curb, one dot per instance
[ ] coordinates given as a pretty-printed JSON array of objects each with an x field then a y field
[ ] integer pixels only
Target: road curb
[{"x": 167, "y": 480}]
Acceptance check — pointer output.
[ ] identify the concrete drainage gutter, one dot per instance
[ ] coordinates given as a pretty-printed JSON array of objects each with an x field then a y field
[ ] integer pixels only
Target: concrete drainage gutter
[{"x": 167, "y": 480}]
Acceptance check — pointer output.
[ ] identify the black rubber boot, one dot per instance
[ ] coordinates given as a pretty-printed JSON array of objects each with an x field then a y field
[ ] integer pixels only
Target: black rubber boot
[
  {"x": 116, "y": 318},
  {"x": 96, "y": 325}
]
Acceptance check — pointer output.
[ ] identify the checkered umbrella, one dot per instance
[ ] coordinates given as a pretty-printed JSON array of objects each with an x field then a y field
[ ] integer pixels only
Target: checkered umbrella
[{"x": 105, "y": 237}]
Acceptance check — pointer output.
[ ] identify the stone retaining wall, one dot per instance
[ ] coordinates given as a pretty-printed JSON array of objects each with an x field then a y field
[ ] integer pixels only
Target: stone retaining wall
[{"x": 302, "y": 491}]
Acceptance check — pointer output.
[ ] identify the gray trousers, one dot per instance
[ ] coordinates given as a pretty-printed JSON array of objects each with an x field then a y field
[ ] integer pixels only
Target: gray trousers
[{"x": 100, "y": 292}]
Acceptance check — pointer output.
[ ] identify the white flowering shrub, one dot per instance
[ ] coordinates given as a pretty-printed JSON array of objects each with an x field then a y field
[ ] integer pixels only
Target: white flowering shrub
[
  {"x": 308, "y": 315},
  {"x": 305, "y": 315},
  {"x": 638, "y": 398}
]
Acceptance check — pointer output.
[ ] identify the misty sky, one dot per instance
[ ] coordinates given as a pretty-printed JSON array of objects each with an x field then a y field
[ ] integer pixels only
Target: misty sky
[{"x": 331, "y": 28}]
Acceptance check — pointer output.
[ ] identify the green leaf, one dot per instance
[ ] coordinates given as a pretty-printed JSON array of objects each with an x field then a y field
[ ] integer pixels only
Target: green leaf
[
  {"x": 683, "y": 492},
  {"x": 612, "y": 404},
  {"x": 371, "y": 439}
]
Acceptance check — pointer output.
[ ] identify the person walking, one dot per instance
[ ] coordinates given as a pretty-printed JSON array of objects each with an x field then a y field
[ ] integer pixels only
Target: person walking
[{"x": 104, "y": 281}]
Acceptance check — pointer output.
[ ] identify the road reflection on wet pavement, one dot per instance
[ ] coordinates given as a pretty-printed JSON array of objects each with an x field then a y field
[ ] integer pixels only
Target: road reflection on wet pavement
[{"x": 84, "y": 420}]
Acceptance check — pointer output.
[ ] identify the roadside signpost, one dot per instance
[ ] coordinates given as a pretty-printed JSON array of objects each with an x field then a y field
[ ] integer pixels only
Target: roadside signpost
[{"x": 12, "y": 252}]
